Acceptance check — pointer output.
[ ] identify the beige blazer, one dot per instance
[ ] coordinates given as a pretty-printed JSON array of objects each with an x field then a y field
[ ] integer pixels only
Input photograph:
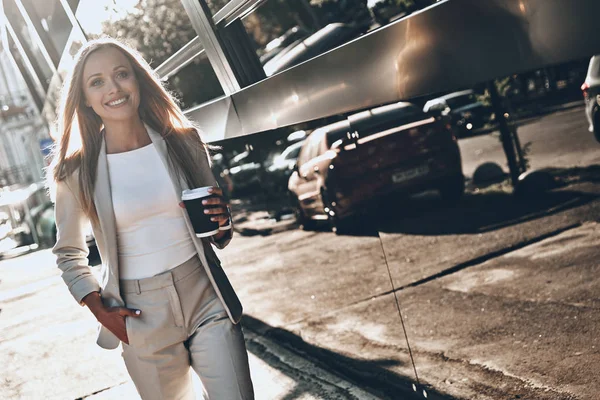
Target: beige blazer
[{"x": 71, "y": 249}]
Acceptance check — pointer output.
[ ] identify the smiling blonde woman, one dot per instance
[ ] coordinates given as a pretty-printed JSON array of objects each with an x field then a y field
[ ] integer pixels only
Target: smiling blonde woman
[{"x": 125, "y": 153}]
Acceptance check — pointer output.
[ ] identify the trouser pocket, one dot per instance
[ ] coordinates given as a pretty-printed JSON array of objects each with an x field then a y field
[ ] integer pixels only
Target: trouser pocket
[
  {"x": 161, "y": 322},
  {"x": 178, "y": 318},
  {"x": 128, "y": 330}
]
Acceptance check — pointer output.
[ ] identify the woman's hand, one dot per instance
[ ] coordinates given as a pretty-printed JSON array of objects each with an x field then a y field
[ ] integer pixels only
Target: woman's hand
[
  {"x": 112, "y": 318},
  {"x": 216, "y": 206}
]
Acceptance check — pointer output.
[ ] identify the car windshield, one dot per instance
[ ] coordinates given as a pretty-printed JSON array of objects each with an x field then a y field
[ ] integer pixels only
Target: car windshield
[
  {"x": 239, "y": 159},
  {"x": 387, "y": 117},
  {"x": 291, "y": 153},
  {"x": 461, "y": 101},
  {"x": 331, "y": 36}
]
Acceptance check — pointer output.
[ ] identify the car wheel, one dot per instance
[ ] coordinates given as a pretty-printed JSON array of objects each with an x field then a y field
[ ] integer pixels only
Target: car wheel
[
  {"x": 329, "y": 211},
  {"x": 452, "y": 189},
  {"x": 340, "y": 226},
  {"x": 305, "y": 222},
  {"x": 356, "y": 224},
  {"x": 343, "y": 226}
]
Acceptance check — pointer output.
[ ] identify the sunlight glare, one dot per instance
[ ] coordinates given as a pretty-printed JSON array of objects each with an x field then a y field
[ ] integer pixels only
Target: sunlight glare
[{"x": 91, "y": 13}]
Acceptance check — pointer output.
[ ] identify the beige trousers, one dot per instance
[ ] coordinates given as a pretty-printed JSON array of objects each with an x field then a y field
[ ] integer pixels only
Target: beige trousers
[{"x": 183, "y": 324}]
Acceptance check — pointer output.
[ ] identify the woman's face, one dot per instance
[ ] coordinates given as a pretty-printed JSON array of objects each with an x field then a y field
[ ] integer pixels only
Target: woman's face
[{"x": 110, "y": 87}]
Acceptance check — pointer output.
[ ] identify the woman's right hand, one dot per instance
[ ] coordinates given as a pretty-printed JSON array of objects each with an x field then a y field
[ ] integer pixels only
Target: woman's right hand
[{"x": 112, "y": 318}]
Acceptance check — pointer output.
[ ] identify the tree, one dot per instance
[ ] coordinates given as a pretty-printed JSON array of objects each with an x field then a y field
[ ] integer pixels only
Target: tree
[
  {"x": 272, "y": 19},
  {"x": 156, "y": 28},
  {"x": 347, "y": 11}
]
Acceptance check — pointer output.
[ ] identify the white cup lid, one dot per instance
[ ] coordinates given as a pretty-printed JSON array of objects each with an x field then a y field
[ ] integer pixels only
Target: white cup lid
[{"x": 191, "y": 194}]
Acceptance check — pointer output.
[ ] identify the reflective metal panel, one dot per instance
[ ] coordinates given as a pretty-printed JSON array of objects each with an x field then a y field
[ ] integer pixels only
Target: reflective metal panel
[
  {"x": 35, "y": 35},
  {"x": 217, "y": 119},
  {"x": 22, "y": 55},
  {"x": 451, "y": 45}
]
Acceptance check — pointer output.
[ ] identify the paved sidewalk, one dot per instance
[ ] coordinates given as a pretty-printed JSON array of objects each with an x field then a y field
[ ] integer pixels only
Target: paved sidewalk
[
  {"x": 48, "y": 350},
  {"x": 283, "y": 376},
  {"x": 477, "y": 285}
]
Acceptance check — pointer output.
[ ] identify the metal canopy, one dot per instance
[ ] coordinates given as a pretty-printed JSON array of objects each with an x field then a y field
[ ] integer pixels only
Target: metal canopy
[{"x": 449, "y": 46}]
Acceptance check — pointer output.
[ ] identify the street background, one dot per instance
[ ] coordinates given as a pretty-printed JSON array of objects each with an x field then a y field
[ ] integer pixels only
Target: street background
[
  {"x": 492, "y": 295},
  {"x": 498, "y": 295}
]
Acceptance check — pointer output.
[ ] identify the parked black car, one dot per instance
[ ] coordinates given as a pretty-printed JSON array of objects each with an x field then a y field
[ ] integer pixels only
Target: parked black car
[
  {"x": 466, "y": 111},
  {"x": 394, "y": 148},
  {"x": 330, "y": 37},
  {"x": 282, "y": 167},
  {"x": 244, "y": 175},
  {"x": 277, "y": 45}
]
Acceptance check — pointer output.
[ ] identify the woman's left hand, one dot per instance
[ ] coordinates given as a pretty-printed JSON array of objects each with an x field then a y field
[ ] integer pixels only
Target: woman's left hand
[{"x": 216, "y": 206}]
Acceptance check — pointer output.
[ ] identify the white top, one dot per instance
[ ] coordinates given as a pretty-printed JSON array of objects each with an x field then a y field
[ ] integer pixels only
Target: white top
[{"x": 152, "y": 236}]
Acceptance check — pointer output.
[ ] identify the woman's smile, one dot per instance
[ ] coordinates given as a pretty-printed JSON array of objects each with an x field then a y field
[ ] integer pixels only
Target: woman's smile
[{"x": 117, "y": 103}]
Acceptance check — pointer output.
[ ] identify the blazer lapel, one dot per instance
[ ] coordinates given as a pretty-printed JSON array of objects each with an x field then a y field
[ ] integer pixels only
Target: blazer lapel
[
  {"x": 179, "y": 183},
  {"x": 160, "y": 145},
  {"x": 104, "y": 207}
]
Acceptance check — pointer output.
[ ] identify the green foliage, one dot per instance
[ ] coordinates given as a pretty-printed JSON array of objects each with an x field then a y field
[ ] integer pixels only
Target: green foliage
[
  {"x": 216, "y": 5},
  {"x": 401, "y": 5},
  {"x": 347, "y": 11},
  {"x": 384, "y": 10},
  {"x": 156, "y": 28},
  {"x": 271, "y": 20}
]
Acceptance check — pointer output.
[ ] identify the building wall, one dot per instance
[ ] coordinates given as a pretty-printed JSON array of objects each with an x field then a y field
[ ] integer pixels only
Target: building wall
[{"x": 21, "y": 129}]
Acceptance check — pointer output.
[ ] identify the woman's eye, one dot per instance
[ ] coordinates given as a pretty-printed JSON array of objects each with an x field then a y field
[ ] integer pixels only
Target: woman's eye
[
  {"x": 96, "y": 82},
  {"x": 122, "y": 74}
]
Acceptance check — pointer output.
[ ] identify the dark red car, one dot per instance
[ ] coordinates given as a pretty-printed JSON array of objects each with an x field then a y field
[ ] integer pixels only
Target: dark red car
[{"x": 393, "y": 148}]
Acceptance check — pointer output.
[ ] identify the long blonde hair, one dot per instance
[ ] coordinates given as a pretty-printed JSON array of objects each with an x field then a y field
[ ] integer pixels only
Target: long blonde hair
[{"x": 79, "y": 127}]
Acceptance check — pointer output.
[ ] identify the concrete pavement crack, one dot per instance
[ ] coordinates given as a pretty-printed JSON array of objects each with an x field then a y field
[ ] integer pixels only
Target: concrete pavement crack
[
  {"x": 100, "y": 391},
  {"x": 458, "y": 267},
  {"x": 275, "y": 333},
  {"x": 578, "y": 306},
  {"x": 527, "y": 383},
  {"x": 577, "y": 201},
  {"x": 475, "y": 261}
]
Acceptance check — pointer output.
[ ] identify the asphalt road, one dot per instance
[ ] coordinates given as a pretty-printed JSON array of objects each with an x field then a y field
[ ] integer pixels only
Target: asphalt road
[{"x": 556, "y": 140}]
